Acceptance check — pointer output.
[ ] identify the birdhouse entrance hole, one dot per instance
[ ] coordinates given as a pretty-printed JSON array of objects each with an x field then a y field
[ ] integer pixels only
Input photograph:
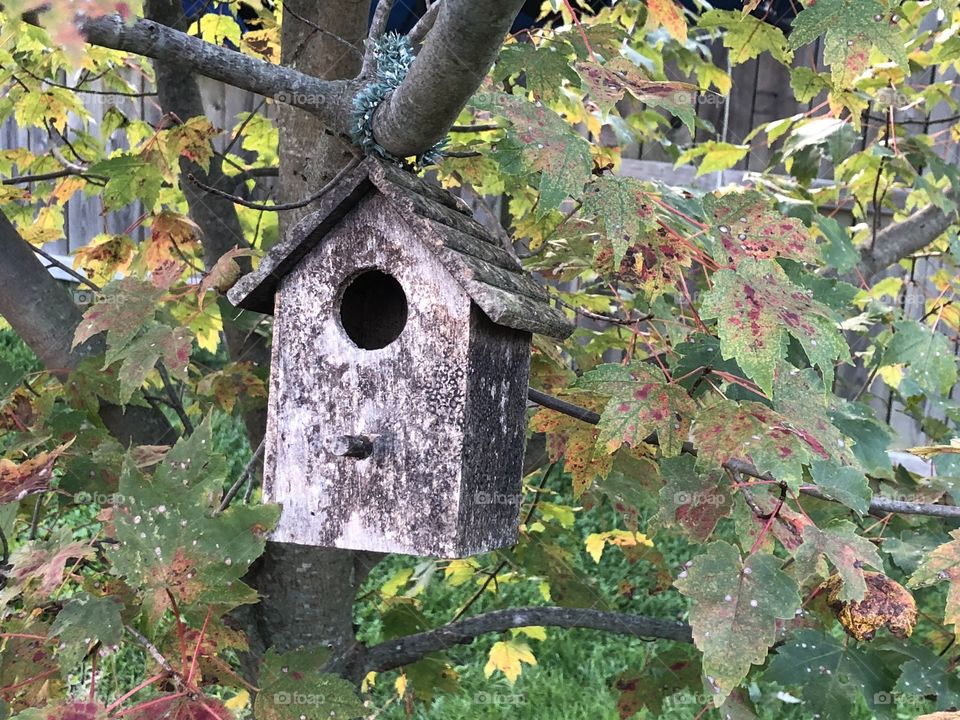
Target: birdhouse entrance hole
[{"x": 373, "y": 309}]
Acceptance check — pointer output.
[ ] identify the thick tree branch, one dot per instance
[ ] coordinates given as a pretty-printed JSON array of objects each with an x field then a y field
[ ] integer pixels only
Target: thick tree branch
[
  {"x": 454, "y": 59},
  {"x": 901, "y": 239},
  {"x": 327, "y": 99},
  {"x": 409, "y": 649}
]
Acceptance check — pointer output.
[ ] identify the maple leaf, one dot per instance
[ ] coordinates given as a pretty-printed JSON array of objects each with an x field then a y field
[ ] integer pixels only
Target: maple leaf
[
  {"x": 129, "y": 178},
  {"x": 886, "y": 604},
  {"x": 180, "y": 706},
  {"x": 105, "y": 256},
  {"x": 596, "y": 542},
  {"x": 847, "y": 551},
  {"x": 725, "y": 430},
  {"x": 736, "y": 605},
  {"x": 619, "y": 206},
  {"x": 933, "y": 364},
  {"x": 757, "y": 308},
  {"x": 172, "y": 236},
  {"x": 546, "y": 143},
  {"x": 575, "y": 442},
  {"x": 84, "y": 622},
  {"x": 943, "y": 563},
  {"x": 31, "y": 476},
  {"x": 121, "y": 311},
  {"x": 693, "y": 500},
  {"x": 235, "y": 384},
  {"x": 746, "y": 226},
  {"x": 641, "y": 402},
  {"x": 608, "y": 83},
  {"x": 669, "y": 15},
  {"x": 747, "y": 37},
  {"x": 543, "y": 67},
  {"x": 294, "y": 687},
  {"x": 830, "y": 673},
  {"x": 141, "y": 354},
  {"x": 508, "y": 657},
  {"x": 39, "y": 567},
  {"x": 661, "y": 677},
  {"x": 192, "y": 139},
  {"x": 851, "y": 27}
]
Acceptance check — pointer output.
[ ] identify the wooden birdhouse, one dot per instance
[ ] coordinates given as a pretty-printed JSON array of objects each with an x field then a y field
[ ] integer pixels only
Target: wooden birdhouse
[{"x": 401, "y": 351}]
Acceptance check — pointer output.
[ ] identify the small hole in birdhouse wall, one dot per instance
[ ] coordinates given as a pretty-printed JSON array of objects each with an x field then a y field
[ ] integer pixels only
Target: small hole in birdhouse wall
[{"x": 373, "y": 309}]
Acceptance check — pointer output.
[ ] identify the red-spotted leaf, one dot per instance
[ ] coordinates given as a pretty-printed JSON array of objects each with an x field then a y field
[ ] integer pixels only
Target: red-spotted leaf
[
  {"x": 746, "y": 225},
  {"x": 736, "y": 605},
  {"x": 607, "y": 84},
  {"x": 172, "y": 237},
  {"x": 757, "y": 308},
  {"x": 39, "y": 566},
  {"x": 847, "y": 551},
  {"x": 192, "y": 140},
  {"x": 294, "y": 687},
  {"x": 725, "y": 430},
  {"x": 180, "y": 706},
  {"x": 691, "y": 499},
  {"x": 943, "y": 563},
  {"x": 668, "y": 14},
  {"x": 641, "y": 402},
  {"x": 159, "y": 342},
  {"x": 575, "y": 442},
  {"x": 619, "y": 206}
]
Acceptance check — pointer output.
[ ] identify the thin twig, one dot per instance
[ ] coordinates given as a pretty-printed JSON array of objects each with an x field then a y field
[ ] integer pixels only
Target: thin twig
[
  {"x": 54, "y": 175},
  {"x": 879, "y": 504},
  {"x": 289, "y": 10},
  {"x": 175, "y": 402},
  {"x": 244, "y": 476},
  {"x": 66, "y": 268},
  {"x": 282, "y": 206},
  {"x": 35, "y": 520},
  {"x": 151, "y": 649},
  {"x": 378, "y": 26}
]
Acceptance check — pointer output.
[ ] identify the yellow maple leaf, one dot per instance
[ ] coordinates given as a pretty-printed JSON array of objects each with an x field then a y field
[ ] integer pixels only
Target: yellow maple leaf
[
  {"x": 401, "y": 685},
  {"x": 238, "y": 702},
  {"x": 508, "y": 657}
]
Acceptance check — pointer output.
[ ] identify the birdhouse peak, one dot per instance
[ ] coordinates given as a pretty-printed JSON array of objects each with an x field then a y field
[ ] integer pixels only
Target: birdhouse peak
[{"x": 491, "y": 276}]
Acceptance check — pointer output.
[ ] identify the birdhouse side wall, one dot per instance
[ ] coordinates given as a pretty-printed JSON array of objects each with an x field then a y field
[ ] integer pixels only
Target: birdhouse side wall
[
  {"x": 408, "y": 397},
  {"x": 493, "y": 447}
]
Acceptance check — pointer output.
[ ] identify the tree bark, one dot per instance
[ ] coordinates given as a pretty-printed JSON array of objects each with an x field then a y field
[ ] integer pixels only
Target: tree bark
[{"x": 43, "y": 314}]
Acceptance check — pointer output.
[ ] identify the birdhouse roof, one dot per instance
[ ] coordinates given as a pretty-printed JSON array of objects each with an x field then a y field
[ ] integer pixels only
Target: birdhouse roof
[{"x": 490, "y": 275}]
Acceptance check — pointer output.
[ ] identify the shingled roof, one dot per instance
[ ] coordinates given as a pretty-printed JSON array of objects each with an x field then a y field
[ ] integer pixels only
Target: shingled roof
[{"x": 490, "y": 275}]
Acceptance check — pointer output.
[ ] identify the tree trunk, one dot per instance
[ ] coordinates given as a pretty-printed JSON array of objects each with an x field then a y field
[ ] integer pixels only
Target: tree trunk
[{"x": 309, "y": 592}]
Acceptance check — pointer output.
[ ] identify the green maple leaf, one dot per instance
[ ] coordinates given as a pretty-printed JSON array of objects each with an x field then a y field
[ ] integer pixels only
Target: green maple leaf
[
  {"x": 831, "y": 673},
  {"x": 932, "y": 362},
  {"x": 850, "y": 27},
  {"x": 641, "y": 402},
  {"x": 544, "y": 68},
  {"x": 693, "y": 500},
  {"x": 86, "y": 621},
  {"x": 744, "y": 225},
  {"x": 293, "y": 686},
  {"x": 929, "y": 675},
  {"x": 663, "y": 675},
  {"x": 172, "y": 543},
  {"x": 943, "y": 563},
  {"x": 746, "y": 36},
  {"x": 846, "y": 550},
  {"x": 724, "y": 431},
  {"x": 545, "y": 143},
  {"x": 618, "y": 205},
  {"x": 736, "y": 605},
  {"x": 129, "y": 178},
  {"x": 844, "y": 484},
  {"x": 758, "y": 308}
]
